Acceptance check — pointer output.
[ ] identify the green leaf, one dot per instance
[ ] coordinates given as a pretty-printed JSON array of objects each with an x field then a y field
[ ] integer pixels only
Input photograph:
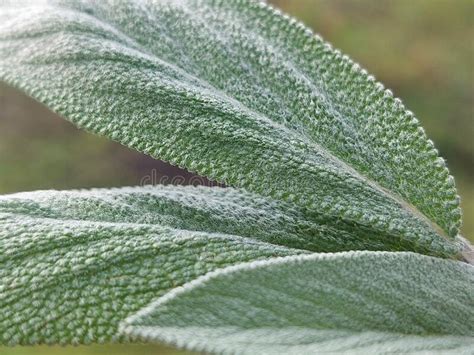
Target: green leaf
[
  {"x": 355, "y": 302},
  {"x": 240, "y": 93},
  {"x": 319, "y": 155},
  {"x": 74, "y": 264}
]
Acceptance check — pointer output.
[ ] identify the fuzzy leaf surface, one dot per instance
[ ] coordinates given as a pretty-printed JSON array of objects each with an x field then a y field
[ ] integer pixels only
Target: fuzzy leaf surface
[
  {"x": 350, "y": 302},
  {"x": 240, "y": 93},
  {"x": 73, "y": 264}
]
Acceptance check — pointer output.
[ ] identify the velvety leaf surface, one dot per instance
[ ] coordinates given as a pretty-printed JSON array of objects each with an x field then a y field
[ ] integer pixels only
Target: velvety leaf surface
[
  {"x": 356, "y": 302},
  {"x": 319, "y": 155},
  {"x": 74, "y": 264},
  {"x": 239, "y": 93}
]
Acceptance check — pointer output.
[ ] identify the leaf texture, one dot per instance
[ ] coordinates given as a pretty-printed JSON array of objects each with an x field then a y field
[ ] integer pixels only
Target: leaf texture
[
  {"x": 240, "y": 93},
  {"x": 351, "y": 302},
  {"x": 74, "y": 264},
  {"x": 320, "y": 157}
]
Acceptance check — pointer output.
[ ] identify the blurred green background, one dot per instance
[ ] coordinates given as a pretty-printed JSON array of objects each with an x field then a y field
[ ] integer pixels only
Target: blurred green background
[{"x": 423, "y": 50}]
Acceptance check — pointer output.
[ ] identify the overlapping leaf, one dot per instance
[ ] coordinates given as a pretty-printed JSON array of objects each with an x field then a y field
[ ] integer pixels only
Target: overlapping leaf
[
  {"x": 239, "y": 93},
  {"x": 355, "y": 302}
]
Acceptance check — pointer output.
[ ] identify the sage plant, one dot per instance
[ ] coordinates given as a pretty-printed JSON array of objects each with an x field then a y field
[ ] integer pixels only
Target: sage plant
[{"x": 338, "y": 228}]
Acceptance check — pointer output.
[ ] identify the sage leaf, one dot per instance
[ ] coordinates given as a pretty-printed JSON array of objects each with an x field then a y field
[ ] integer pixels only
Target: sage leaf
[
  {"x": 318, "y": 157},
  {"x": 350, "y": 302},
  {"x": 73, "y": 264},
  {"x": 242, "y": 94}
]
